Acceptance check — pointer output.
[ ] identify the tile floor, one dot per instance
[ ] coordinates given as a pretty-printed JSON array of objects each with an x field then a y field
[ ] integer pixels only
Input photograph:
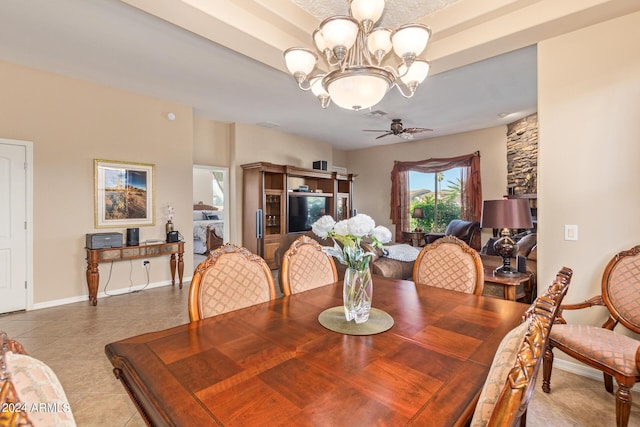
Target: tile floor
[{"x": 71, "y": 340}]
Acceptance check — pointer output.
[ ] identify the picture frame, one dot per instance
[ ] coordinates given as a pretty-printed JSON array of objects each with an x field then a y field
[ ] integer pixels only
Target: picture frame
[{"x": 124, "y": 194}]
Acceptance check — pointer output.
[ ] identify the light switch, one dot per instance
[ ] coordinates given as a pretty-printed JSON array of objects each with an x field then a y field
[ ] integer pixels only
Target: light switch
[{"x": 570, "y": 232}]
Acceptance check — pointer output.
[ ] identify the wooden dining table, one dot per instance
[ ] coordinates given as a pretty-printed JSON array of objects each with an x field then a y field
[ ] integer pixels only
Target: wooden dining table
[{"x": 275, "y": 364}]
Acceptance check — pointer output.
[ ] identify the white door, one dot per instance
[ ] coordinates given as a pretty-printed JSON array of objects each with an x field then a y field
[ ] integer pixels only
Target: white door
[{"x": 13, "y": 233}]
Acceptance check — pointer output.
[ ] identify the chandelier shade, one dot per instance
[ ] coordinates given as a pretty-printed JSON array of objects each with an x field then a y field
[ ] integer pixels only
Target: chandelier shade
[
  {"x": 358, "y": 87},
  {"x": 354, "y": 50}
]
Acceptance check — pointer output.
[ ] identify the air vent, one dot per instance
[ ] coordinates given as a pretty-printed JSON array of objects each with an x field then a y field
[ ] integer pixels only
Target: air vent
[
  {"x": 376, "y": 113},
  {"x": 267, "y": 124}
]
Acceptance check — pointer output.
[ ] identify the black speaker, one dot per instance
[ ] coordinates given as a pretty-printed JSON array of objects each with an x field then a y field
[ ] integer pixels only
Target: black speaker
[
  {"x": 133, "y": 236},
  {"x": 320, "y": 164},
  {"x": 521, "y": 263}
]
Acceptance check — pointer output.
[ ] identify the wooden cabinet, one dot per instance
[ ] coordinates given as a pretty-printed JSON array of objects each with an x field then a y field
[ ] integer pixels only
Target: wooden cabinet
[{"x": 266, "y": 191}]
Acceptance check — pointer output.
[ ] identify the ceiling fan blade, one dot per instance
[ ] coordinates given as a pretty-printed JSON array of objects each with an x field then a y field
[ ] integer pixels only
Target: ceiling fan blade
[
  {"x": 388, "y": 133},
  {"x": 375, "y": 130},
  {"x": 417, "y": 130}
]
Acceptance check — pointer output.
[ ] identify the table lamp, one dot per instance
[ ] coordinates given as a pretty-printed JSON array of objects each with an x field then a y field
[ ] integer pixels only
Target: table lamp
[
  {"x": 418, "y": 213},
  {"x": 506, "y": 214}
]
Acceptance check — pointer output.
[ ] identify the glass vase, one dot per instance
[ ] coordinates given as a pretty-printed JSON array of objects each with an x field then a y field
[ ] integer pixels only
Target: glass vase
[
  {"x": 169, "y": 226},
  {"x": 357, "y": 293}
]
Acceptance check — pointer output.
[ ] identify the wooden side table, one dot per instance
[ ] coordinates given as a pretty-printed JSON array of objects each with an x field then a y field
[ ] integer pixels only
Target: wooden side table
[
  {"x": 505, "y": 287},
  {"x": 96, "y": 256},
  {"x": 415, "y": 237}
]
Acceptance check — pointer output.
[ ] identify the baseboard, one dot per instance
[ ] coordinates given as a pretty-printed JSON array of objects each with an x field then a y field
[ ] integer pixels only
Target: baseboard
[
  {"x": 577, "y": 368},
  {"x": 80, "y": 298}
]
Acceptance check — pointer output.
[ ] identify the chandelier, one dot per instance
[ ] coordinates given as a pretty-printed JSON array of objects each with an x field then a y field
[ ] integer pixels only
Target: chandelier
[{"x": 354, "y": 51}]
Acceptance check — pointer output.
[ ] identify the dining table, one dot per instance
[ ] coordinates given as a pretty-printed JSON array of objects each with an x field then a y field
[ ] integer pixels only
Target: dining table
[{"x": 275, "y": 364}]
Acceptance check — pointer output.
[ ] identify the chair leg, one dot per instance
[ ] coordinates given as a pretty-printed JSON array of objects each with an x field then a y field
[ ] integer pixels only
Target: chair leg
[
  {"x": 623, "y": 405},
  {"x": 608, "y": 382},
  {"x": 547, "y": 365}
]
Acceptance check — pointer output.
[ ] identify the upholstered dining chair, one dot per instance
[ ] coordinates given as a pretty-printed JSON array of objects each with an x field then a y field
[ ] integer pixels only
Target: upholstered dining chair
[
  {"x": 451, "y": 264},
  {"x": 511, "y": 380},
  {"x": 602, "y": 348},
  {"x": 229, "y": 278},
  {"x": 27, "y": 385},
  {"x": 305, "y": 266}
]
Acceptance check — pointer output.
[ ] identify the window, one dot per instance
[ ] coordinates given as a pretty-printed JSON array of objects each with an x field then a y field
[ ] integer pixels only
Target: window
[
  {"x": 426, "y": 188},
  {"x": 469, "y": 196}
]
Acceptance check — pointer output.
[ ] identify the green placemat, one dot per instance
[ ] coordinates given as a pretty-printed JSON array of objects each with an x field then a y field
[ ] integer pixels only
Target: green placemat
[{"x": 334, "y": 320}]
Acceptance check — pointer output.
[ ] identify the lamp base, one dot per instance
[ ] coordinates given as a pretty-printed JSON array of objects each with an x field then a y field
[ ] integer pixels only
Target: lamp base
[{"x": 506, "y": 271}]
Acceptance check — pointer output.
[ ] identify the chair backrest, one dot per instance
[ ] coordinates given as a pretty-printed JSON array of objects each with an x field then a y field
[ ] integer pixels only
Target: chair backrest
[
  {"x": 26, "y": 383},
  {"x": 621, "y": 288},
  {"x": 467, "y": 231},
  {"x": 305, "y": 266},
  {"x": 229, "y": 279},
  {"x": 511, "y": 380},
  {"x": 451, "y": 264}
]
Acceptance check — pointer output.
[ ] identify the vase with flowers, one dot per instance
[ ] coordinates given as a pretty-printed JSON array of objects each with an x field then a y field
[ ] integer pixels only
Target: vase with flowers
[{"x": 347, "y": 237}]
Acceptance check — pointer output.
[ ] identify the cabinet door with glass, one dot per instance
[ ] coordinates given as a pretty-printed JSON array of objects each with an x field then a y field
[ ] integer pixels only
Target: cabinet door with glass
[{"x": 343, "y": 208}]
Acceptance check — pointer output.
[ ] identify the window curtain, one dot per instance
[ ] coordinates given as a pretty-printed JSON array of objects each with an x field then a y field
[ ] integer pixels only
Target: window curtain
[{"x": 471, "y": 208}]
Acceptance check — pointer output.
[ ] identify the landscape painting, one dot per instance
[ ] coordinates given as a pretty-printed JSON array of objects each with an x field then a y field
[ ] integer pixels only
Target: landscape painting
[{"x": 123, "y": 194}]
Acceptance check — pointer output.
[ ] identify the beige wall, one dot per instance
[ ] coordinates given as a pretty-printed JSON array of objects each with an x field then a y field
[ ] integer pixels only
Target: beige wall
[
  {"x": 589, "y": 105},
  {"x": 71, "y": 123},
  {"x": 211, "y": 142},
  {"x": 372, "y": 187},
  {"x": 250, "y": 143}
]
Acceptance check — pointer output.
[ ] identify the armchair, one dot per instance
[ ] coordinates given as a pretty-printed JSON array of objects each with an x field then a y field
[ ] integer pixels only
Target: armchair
[
  {"x": 602, "y": 348},
  {"x": 467, "y": 231}
]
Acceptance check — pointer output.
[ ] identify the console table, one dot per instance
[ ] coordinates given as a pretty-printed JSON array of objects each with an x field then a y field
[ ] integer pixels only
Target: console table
[{"x": 96, "y": 256}]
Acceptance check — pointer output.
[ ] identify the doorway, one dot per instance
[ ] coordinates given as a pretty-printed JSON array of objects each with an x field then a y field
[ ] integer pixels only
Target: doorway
[
  {"x": 211, "y": 209},
  {"x": 16, "y": 225}
]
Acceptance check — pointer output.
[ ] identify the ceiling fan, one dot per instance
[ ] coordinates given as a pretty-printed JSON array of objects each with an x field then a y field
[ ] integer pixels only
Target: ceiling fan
[{"x": 398, "y": 129}]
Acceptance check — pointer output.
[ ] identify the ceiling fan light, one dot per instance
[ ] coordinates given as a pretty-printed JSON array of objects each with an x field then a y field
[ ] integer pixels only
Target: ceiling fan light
[
  {"x": 379, "y": 40},
  {"x": 339, "y": 31},
  {"x": 364, "y": 10},
  {"x": 417, "y": 72},
  {"x": 300, "y": 60},
  {"x": 410, "y": 39},
  {"x": 358, "y": 87}
]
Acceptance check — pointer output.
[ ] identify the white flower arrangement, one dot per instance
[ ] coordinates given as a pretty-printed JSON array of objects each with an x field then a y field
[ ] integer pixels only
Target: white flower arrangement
[
  {"x": 349, "y": 233},
  {"x": 169, "y": 212}
]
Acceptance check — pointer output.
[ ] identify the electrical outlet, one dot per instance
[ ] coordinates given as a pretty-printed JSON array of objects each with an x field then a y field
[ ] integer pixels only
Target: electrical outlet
[{"x": 145, "y": 263}]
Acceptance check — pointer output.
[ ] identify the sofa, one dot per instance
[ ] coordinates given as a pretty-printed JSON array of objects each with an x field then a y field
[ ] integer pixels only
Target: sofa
[
  {"x": 380, "y": 264},
  {"x": 528, "y": 248}
]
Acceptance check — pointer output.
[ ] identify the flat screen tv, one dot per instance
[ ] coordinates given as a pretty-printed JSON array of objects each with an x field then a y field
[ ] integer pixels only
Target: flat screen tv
[{"x": 304, "y": 210}]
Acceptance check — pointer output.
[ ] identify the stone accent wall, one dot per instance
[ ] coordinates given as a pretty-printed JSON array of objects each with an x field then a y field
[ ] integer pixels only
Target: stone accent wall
[{"x": 522, "y": 155}]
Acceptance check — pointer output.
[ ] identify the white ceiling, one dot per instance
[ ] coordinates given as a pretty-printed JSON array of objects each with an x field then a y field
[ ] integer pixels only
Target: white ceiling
[{"x": 112, "y": 43}]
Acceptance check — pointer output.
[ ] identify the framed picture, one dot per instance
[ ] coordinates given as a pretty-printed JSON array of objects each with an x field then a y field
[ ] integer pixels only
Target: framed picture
[{"x": 124, "y": 194}]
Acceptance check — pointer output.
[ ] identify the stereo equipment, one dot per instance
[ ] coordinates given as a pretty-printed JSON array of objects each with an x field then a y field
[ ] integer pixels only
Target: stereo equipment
[
  {"x": 521, "y": 263},
  {"x": 320, "y": 164},
  {"x": 133, "y": 236},
  {"x": 173, "y": 236},
  {"x": 104, "y": 240}
]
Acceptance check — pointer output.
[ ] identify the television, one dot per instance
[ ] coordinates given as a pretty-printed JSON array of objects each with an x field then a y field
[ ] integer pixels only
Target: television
[{"x": 304, "y": 210}]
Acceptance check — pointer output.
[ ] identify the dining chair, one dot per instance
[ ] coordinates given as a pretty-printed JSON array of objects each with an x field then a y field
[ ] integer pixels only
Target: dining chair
[
  {"x": 27, "y": 385},
  {"x": 229, "y": 278},
  {"x": 602, "y": 348},
  {"x": 306, "y": 266},
  {"x": 451, "y": 264},
  {"x": 511, "y": 380}
]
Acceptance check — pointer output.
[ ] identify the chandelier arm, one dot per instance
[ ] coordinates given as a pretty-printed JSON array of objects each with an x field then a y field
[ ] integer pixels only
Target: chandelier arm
[{"x": 401, "y": 87}]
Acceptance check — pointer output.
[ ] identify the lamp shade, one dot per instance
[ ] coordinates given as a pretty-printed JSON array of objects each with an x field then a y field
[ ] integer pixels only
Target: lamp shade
[
  {"x": 410, "y": 39},
  {"x": 300, "y": 60},
  {"x": 367, "y": 9},
  {"x": 416, "y": 73},
  {"x": 339, "y": 31},
  {"x": 417, "y": 213},
  {"x": 509, "y": 213}
]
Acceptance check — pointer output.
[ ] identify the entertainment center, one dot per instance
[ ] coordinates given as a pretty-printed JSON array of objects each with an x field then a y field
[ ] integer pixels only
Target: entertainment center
[{"x": 280, "y": 199}]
